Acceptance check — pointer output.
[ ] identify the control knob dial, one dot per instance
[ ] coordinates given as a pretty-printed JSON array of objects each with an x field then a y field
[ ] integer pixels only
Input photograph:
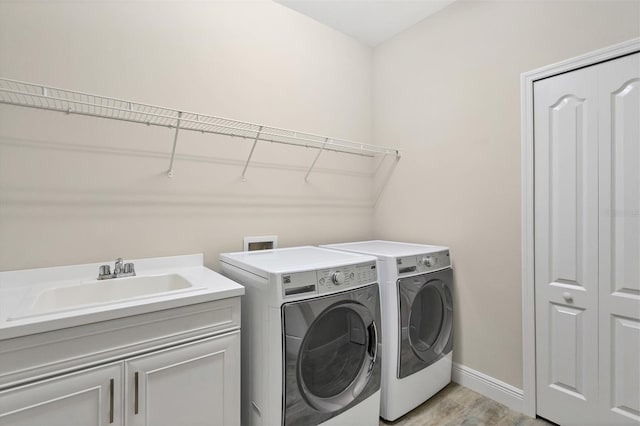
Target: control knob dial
[
  {"x": 337, "y": 278},
  {"x": 427, "y": 261}
]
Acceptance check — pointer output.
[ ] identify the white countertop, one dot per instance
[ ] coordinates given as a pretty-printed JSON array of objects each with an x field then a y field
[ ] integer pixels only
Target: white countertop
[{"x": 18, "y": 289}]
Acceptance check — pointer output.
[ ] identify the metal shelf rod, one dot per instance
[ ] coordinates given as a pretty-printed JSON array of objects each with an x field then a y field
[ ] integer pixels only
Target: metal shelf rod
[
  {"x": 306, "y": 138},
  {"x": 13, "y": 92},
  {"x": 366, "y": 152}
]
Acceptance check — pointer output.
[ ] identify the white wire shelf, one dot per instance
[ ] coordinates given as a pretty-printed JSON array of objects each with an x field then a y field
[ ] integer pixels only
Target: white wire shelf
[{"x": 13, "y": 92}]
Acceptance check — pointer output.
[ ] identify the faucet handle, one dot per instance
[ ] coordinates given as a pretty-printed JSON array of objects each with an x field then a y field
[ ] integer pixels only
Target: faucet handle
[
  {"x": 105, "y": 270},
  {"x": 129, "y": 269}
]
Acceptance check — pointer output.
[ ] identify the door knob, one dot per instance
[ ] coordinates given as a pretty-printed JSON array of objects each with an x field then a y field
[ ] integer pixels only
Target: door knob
[{"x": 567, "y": 297}]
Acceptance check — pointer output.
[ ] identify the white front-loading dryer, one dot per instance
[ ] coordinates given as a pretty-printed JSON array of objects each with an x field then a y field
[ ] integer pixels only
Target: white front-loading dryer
[
  {"x": 416, "y": 287},
  {"x": 311, "y": 340}
]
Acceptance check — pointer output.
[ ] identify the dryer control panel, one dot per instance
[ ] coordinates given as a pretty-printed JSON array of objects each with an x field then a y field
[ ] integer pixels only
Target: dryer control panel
[
  {"x": 423, "y": 263},
  {"x": 343, "y": 277}
]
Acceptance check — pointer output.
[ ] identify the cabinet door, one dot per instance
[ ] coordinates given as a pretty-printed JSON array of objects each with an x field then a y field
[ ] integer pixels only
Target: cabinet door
[
  {"x": 195, "y": 384},
  {"x": 85, "y": 398}
]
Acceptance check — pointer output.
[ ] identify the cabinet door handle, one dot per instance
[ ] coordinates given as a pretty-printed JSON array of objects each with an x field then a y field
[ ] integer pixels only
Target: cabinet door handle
[
  {"x": 135, "y": 394},
  {"x": 111, "y": 386}
]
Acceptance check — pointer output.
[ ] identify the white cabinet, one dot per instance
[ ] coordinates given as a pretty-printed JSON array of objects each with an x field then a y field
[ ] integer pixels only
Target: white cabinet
[
  {"x": 175, "y": 367},
  {"x": 85, "y": 398},
  {"x": 196, "y": 384}
]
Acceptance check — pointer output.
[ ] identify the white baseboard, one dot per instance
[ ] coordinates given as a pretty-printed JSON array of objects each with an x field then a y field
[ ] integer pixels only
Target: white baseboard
[{"x": 495, "y": 389}]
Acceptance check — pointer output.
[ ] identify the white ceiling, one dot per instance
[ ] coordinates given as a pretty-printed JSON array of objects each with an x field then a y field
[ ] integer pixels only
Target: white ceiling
[{"x": 370, "y": 21}]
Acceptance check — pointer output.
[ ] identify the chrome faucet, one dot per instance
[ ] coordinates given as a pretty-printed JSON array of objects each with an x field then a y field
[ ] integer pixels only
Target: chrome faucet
[
  {"x": 117, "y": 270},
  {"x": 120, "y": 269}
]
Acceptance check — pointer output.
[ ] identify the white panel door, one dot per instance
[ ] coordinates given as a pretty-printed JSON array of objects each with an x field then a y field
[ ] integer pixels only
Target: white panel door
[
  {"x": 566, "y": 246},
  {"x": 619, "y": 309},
  {"x": 196, "y": 384},
  {"x": 85, "y": 398}
]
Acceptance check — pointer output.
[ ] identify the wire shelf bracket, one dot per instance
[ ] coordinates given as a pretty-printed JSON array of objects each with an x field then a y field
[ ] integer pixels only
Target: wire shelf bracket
[
  {"x": 315, "y": 160},
  {"x": 253, "y": 147},
  {"x": 31, "y": 95},
  {"x": 175, "y": 142},
  {"x": 385, "y": 179}
]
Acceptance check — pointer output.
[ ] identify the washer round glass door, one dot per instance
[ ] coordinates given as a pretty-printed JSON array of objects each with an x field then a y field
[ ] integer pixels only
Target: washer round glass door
[
  {"x": 426, "y": 318},
  {"x": 330, "y": 354},
  {"x": 336, "y": 356}
]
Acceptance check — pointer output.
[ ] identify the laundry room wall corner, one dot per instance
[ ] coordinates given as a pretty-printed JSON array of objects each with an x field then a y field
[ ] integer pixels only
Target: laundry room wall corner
[{"x": 447, "y": 93}]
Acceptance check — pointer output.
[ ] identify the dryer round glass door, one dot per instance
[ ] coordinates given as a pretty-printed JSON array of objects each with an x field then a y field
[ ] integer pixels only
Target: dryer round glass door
[{"x": 426, "y": 320}]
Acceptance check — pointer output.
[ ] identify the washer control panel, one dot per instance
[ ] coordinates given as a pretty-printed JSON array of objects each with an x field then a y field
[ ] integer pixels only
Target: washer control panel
[
  {"x": 329, "y": 280},
  {"x": 343, "y": 277},
  {"x": 423, "y": 263},
  {"x": 299, "y": 283}
]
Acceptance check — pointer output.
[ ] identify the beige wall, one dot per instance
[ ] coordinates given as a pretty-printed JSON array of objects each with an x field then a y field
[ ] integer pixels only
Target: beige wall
[
  {"x": 447, "y": 92},
  {"x": 78, "y": 189}
]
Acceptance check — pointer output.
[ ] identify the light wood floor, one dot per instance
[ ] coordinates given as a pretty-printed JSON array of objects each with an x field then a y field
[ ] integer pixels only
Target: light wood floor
[{"x": 456, "y": 405}]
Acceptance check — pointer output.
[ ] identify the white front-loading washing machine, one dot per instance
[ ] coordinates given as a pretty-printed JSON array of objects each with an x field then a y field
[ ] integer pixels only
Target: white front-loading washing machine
[
  {"x": 311, "y": 346},
  {"x": 416, "y": 286}
]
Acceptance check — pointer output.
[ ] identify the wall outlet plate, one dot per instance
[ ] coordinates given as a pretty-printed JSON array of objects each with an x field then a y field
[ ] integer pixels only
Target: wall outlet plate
[{"x": 264, "y": 242}]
